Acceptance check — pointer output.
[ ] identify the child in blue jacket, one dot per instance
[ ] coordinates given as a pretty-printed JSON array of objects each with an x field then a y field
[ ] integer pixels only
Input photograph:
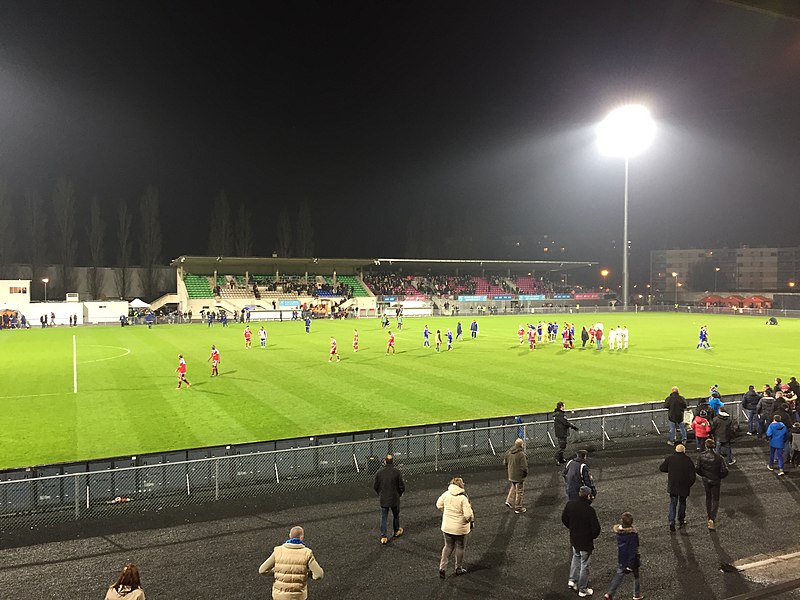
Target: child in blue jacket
[
  {"x": 627, "y": 556},
  {"x": 777, "y": 433}
]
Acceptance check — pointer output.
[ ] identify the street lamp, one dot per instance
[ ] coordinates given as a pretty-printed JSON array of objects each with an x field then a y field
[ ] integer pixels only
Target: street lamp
[
  {"x": 626, "y": 131},
  {"x": 716, "y": 270},
  {"x": 45, "y": 281},
  {"x": 604, "y": 274},
  {"x": 791, "y": 285},
  {"x": 675, "y": 275}
]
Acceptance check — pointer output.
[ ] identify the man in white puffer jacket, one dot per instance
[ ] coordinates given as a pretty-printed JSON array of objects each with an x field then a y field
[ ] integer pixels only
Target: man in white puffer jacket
[{"x": 457, "y": 520}]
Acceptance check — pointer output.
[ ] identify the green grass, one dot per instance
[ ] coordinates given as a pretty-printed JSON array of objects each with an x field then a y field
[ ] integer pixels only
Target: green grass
[{"x": 127, "y": 402}]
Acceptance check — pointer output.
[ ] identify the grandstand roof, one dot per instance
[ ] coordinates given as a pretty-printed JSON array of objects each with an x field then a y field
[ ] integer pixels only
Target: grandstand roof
[{"x": 265, "y": 265}]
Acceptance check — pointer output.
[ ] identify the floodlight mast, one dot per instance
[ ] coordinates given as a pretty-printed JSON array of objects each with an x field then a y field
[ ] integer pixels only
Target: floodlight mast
[{"x": 626, "y": 131}]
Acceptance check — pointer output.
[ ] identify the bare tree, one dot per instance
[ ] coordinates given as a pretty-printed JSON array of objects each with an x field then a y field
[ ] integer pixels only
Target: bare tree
[
  {"x": 6, "y": 228},
  {"x": 125, "y": 251},
  {"x": 220, "y": 234},
  {"x": 95, "y": 233},
  {"x": 305, "y": 231},
  {"x": 150, "y": 240},
  {"x": 64, "y": 212},
  {"x": 284, "y": 234},
  {"x": 243, "y": 240},
  {"x": 36, "y": 222}
]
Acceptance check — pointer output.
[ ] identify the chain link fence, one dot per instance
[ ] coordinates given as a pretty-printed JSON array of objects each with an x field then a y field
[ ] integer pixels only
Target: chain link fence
[{"x": 96, "y": 490}]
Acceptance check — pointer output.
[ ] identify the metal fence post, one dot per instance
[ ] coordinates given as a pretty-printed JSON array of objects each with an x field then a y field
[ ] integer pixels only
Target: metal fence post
[
  {"x": 436, "y": 452},
  {"x": 603, "y": 432},
  {"x": 77, "y": 499},
  {"x": 216, "y": 479},
  {"x": 335, "y": 463}
]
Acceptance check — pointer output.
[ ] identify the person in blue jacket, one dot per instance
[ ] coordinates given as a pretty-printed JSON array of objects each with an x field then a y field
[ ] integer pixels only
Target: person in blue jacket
[
  {"x": 627, "y": 556},
  {"x": 714, "y": 400},
  {"x": 777, "y": 433}
]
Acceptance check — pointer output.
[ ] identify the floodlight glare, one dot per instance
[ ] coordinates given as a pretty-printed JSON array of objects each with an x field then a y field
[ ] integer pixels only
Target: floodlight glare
[{"x": 626, "y": 131}]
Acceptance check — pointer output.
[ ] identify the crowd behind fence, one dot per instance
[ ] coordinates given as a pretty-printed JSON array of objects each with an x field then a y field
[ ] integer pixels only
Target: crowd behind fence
[{"x": 33, "y": 498}]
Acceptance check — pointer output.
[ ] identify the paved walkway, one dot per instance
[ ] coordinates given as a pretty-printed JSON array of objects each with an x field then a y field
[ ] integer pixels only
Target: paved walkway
[{"x": 215, "y": 551}]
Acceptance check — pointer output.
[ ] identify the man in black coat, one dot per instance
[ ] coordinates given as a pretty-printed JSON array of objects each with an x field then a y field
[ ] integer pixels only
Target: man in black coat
[
  {"x": 749, "y": 403},
  {"x": 722, "y": 432},
  {"x": 584, "y": 527},
  {"x": 681, "y": 476},
  {"x": 712, "y": 468},
  {"x": 561, "y": 427},
  {"x": 675, "y": 405},
  {"x": 389, "y": 486}
]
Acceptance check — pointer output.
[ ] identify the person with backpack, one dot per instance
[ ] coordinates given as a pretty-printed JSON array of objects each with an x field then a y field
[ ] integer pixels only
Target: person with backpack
[
  {"x": 576, "y": 475},
  {"x": 628, "y": 559}
]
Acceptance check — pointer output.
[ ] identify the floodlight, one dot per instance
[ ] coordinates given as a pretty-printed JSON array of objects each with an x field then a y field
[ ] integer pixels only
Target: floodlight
[{"x": 626, "y": 131}]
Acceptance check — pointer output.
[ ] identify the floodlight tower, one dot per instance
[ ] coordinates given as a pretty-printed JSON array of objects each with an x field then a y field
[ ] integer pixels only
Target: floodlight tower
[{"x": 626, "y": 131}]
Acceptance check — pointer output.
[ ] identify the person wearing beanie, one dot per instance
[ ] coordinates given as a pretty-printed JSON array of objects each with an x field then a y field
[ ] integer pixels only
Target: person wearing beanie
[
  {"x": 722, "y": 431},
  {"x": 712, "y": 469},
  {"x": 681, "y": 476},
  {"x": 584, "y": 527},
  {"x": 628, "y": 559}
]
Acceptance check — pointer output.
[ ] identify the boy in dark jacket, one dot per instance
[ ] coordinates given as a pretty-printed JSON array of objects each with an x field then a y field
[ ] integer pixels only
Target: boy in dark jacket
[{"x": 627, "y": 557}]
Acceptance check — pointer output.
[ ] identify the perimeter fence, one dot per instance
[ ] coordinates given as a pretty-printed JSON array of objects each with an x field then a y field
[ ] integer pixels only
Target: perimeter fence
[{"x": 31, "y": 498}]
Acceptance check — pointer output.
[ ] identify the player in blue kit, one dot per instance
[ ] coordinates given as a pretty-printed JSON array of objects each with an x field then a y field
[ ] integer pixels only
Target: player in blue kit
[
  {"x": 308, "y": 324},
  {"x": 426, "y": 341},
  {"x": 703, "y": 341},
  {"x": 539, "y": 332},
  {"x": 449, "y": 340}
]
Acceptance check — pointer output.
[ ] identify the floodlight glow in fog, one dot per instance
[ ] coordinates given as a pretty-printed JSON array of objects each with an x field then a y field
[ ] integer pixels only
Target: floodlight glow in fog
[{"x": 626, "y": 131}]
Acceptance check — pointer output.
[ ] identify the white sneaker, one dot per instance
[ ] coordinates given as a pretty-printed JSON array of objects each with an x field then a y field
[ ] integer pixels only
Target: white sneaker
[
  {"x": 572, "y": 585},
  {"x": 588, "y": 592}
]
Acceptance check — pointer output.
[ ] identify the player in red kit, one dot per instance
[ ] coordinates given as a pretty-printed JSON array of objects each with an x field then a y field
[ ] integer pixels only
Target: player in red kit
[
  {"x": 181, "y": 371},
  {"x": 521, "y": 334},
  {"x": 390, "y": 345},
  {"x": 334, "y": 351},
  {"x": 248, "y": 338},
  {"x": 532, "y": 338},
  {"x": 214, "y": 358},
  {"x": 355, "y": 340}
]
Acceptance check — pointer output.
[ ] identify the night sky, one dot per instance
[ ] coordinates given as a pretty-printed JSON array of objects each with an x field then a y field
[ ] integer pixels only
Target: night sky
[{"x": 465, "y": 119}]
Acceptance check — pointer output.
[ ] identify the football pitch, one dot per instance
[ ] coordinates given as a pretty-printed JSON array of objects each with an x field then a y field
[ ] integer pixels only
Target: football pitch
[{"x": 127, "y": 402}]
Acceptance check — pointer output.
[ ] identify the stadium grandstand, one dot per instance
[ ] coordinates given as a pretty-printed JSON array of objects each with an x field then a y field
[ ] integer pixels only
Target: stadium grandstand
[{"x": 269, "y": 287}]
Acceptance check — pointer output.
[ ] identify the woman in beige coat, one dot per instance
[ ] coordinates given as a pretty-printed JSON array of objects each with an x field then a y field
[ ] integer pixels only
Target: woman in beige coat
[{"x": 457, "y": 520}]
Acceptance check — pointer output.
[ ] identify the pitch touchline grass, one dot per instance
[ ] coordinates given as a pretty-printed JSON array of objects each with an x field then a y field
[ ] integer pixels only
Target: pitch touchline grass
[{"x": 127, "y": 403}]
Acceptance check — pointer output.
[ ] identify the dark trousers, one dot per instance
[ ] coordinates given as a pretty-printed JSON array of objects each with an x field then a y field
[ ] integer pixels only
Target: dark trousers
[
  {"x": 676, "y": 504},
  {"x": 712, "y": 488},
  {"x": 385, "y": 517},
  {"x": 562, "y": 445}
]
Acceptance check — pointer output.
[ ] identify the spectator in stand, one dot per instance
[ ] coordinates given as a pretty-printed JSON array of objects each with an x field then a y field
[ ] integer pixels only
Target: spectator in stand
[
  {"x": 676, "y": 406},
  {"x": 389, "y": 486},
  {"x": 517, "y": 468},
  {"x": 782, "y": 410},
  {"x": 291, "y": 563},
  {"x": 712, "y": 469},
  {"x": 749, "y": 403},
  {"x": 681, "y": 476},
  {"x": 457, "y": 522},
  {"x": 722, "y": 431},
  {"x": 584, "y": 527},
  {"x": 128, "y": 585}
]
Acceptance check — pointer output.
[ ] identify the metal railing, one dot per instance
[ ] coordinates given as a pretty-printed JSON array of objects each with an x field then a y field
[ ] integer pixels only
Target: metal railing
[{"x": 78, "y": 493}]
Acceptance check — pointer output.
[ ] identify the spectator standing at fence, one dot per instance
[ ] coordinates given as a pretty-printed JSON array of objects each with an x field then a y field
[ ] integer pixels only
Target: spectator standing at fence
[
  {"x": 128, "y": 585},
  {"x": 681, "y": 476},
  {"x": 749, "y": 403},
  {"x": 561, "y": 427},
  {"x": 577, "y": 475},
  {"x": 764, "y": 410},
  {"x": 389, "y": 486},
  {"x": 628, "y": 559},
  {"x": 676, "y": 406},
  {"x": 712, "y": 469},
  {"x": 584, "y": 527},
  {"x": 291, "y": 563},
  {"x": 457, "y": 521},
  {"x": 517, "y": 468}
]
